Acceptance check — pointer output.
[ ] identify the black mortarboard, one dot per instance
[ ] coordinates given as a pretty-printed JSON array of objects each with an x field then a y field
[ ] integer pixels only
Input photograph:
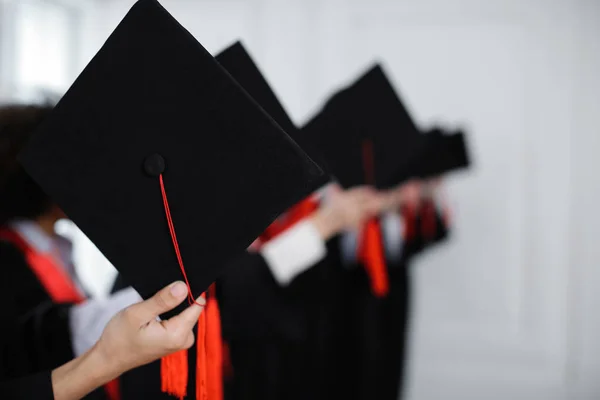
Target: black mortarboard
[
  {"x": 445, "y": 152},
  {"x": 362, "y": 124},
  {"x": 236, "y": 60},
  {"x": 153, "y": 100}
]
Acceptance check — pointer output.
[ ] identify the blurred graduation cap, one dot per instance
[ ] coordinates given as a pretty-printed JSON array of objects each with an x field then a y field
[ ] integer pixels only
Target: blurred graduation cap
[
  {"x": 238, "y": 62},
  {"x": 445, "y": 152},
  {"x": 364, "y": 134},
  {"x": 155, "y": 126}
]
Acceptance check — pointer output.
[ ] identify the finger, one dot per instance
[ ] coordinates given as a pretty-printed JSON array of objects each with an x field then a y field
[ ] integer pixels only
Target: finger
[
  {"x": 364, "y": 191},
  {"x": 165, "y": 300},
  {"x": 186, "y": 320},
  {"x": 335, "y": 187}
]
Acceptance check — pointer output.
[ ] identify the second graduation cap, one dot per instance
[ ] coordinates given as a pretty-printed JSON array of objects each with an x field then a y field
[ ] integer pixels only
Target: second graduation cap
[
  {"x": 362, "y": 133},
  {"x": 154, "y": 125},
  {"x": 237, "y": 61}
]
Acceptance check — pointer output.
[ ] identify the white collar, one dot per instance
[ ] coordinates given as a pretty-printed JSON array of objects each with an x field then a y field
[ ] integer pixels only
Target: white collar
[{"x": 33, "y": 234}]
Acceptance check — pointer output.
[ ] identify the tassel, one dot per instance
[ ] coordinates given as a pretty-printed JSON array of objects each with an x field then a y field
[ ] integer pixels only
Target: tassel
[
  {"x": 209, "y": 367},
  {"x": 371, "y": 254},
  {"x": 112, "y": 390},
  {"x": 214, "y": 351},
  {"x": 428, "y": 220},
  {"x": 174, "y": 374},
  {"x": 201, "y": 373},
  {"x": 227, "y": 364},
  {"x": 410, "y": 222}
]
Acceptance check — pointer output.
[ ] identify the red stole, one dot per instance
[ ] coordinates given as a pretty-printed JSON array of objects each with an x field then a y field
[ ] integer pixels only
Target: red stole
[
  {"x": 56, "y": 281},
  {"x": 297, "y": 213}
]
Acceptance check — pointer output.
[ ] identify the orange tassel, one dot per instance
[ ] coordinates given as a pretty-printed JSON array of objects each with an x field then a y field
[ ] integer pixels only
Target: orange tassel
[
  {"x": 410, "y": 222},
  {"x": 209, "y": 367},
  {"x": 371, "y": 254},
  {"x": 112, "y": 390},
  {"x": 227, "y": 364},
  {"x": 428, "y": 220},
  {"x": 214, "y": 351},
  {"x": 201, "y": 359},
  {"x": 174, "y": 374}
]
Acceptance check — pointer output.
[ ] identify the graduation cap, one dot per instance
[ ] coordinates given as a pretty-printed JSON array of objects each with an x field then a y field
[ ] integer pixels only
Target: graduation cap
[
  {"x": 153, "y": 138},
  {"x": 445, "y": 152},
  {"x": 151, "y": 102},
  {"x": 364, "y": 135},
  {"x": 238, "y": 62}
]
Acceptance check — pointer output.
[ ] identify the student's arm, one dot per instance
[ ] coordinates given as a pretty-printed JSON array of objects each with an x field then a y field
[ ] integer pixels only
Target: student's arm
[
  {"x": 132, "y": 338},
  {"x": 87, "y": 320},
  {"x": 303, "y": 245}
]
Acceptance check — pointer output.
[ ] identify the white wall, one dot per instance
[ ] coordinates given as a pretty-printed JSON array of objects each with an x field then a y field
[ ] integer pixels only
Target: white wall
[{"x": 506, "y": 309}]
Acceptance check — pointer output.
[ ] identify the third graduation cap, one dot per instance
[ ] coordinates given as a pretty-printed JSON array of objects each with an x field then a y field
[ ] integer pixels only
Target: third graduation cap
[{"x": 154, "y": 127}]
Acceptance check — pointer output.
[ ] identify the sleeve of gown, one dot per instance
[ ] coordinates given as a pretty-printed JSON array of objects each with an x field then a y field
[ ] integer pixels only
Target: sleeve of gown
[
  {"x": 294, "y": 251},
  {"x": 40, "y": 325},
  {"x": 37, "y": 387},
  {"x": 253, "y": 304}
]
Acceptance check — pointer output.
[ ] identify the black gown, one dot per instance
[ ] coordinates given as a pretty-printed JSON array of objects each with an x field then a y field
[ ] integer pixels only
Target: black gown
[
  {"x": 16, "y": 380},
  {"x": 288, "y": 354},
  {"x": 278, "y": 337},
  {"x": 252, "y": 273},
  {"x": 371, "y": 359},
  {"x": 42, "y": 326}
]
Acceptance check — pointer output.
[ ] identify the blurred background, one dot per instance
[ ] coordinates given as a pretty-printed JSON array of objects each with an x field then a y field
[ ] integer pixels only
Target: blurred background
[{"x": 509, "y": 308}]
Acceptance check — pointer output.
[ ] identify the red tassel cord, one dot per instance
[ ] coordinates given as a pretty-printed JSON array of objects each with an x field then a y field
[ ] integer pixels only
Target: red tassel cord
[
  {"x": 428, "y": 220},
  {"x": 174, "y": 367}
]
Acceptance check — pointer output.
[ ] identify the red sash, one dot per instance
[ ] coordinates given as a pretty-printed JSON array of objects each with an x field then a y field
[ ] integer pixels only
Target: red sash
[
  {"x": 297, "y": 213},
  {"x": 57, "y": 283}
]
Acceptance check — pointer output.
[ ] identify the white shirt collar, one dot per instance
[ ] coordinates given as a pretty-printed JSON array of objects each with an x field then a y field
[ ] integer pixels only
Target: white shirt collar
[{"x": 42, "y": 242}]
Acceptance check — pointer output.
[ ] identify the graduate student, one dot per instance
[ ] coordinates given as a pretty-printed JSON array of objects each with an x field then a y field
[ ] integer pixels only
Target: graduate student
[
  {"x": 122, "y": 346},
  {"x": 365, "y": 135},
  {"x": 149, "y": 153},
  {"x": 62, "y": 323},
  {"x": 264, "y": 318}
]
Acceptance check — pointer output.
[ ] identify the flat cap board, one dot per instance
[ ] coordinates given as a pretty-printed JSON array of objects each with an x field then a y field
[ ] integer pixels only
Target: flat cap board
[{"x": 154, "y": 101}]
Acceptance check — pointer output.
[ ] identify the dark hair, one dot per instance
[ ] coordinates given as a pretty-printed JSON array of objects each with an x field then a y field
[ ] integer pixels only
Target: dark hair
[{"x": 20, "y": 196}]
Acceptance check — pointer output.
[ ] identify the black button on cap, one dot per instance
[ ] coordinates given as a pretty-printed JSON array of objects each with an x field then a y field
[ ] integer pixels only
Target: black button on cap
[{"x": 154, "y": 165}]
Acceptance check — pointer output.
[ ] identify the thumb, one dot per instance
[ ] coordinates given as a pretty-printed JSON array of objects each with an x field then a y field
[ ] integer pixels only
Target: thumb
[
  {"x": 165, "y": 300},
  {"x": 185, "y": 321}
]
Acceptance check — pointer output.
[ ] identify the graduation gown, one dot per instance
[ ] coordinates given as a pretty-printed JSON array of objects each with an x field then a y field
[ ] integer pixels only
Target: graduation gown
[
  {"x": 43, "y": 326},
  {"x": 372, "y": 353},
  {"x": 15, "y": 379},
  {"x": 278, "y": 337},
  {"x": 144, "y": 382},
  {"x": 287, "y": 354},
  {"x": 38, "y": 386}
]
